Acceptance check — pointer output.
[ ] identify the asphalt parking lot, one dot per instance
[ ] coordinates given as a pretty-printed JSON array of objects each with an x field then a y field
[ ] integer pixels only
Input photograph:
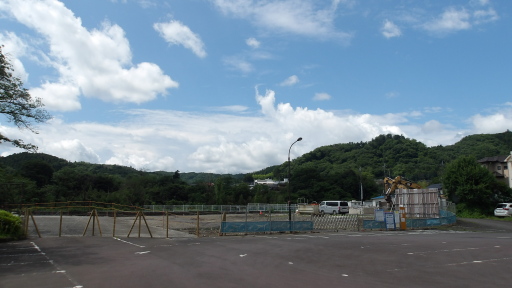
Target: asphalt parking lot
[{"x": 422, "y": 258}]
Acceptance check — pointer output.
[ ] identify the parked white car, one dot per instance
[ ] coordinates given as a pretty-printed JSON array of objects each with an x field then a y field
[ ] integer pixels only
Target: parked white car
[
  {"x": 333, "y": 207},
  {"x": 503, "y": 210}
]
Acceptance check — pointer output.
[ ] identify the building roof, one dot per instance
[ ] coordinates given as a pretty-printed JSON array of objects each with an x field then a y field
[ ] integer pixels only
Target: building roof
[
  {"x": 499, "y": 158},
  {"x": 435, "y": 186}
]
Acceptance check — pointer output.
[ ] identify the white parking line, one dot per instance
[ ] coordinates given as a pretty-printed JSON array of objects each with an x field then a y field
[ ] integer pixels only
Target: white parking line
[{"x": 57, "y": 268}]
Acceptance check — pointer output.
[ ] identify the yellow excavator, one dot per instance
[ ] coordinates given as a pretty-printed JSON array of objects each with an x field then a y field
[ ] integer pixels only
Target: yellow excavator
[{"x": 399, "y": 182}]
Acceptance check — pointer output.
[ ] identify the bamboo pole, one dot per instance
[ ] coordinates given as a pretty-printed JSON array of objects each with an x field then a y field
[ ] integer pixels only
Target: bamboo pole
[
  {"x": 98, "y": 220},
  {"x": 35, "y": 225},
  {"x": 140, "y": 220},
  {"x": 133, "y": 224},
  {"x": 167, "y": 225},
  {"x": 114, "y": 229},
  {"x": 25, "y": 224},
  {"x": 87, "y": 226},
  {"x": 197, "y": 225},
  {"x": 60, "y": 225},
  {"x": 147, "y": 226},
  {"x": 93, "y": 221}
]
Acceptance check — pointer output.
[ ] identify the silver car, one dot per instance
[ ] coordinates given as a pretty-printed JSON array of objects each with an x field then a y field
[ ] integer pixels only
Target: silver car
[{"x": 503, "y": 210}]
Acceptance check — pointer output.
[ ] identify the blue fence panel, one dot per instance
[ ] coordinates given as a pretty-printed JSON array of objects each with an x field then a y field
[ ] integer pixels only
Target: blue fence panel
[
  {"x": 265, "y": 226},
  {"x": 446, "y": 218}
]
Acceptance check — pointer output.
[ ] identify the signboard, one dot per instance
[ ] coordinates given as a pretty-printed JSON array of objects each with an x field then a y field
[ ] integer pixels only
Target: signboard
[
  {"x": 390, "y": 220},
  {"x": 379, "y": 215}
]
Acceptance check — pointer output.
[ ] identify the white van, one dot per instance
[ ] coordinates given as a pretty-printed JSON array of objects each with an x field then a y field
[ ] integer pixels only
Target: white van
[{"x": 333, "y": 207}]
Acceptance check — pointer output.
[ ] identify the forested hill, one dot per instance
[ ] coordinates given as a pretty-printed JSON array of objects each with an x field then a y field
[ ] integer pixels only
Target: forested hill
[
  {"x": 391, "y": 155},
  {"x": 388, "y": 155}
]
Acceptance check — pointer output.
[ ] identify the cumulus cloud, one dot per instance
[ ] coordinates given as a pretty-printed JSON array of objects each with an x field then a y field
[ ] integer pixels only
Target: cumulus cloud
[
  {"x": 174, "y": 32},
  {"x": 172, "y": 140},
  {"x": 390, "y": 30},
  {"x": 72, "y": 150},
  {"x": 299, "y": 17},
  {"x": 290, "y": 81},
  {"x": 97, "y": 62},
  {"x": 498, "y": 121},
  {"x": 58, "y": 96}
]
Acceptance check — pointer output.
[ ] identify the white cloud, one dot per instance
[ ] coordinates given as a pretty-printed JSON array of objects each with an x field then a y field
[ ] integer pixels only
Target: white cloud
[
  {"x": 484, "y": 16},
  {"x": 238, "y": 63},
  {"x": 58, "y": 96},
  {"x": 392, "y": 94},
  {"x": 96, "y": 62},
  {"x": 321, "y": 97},
  {"x": 451, "y": 20},
  {"x": 231, "y": 108},
  {"x": 290, "y": 81},
  {"x": 497, "y": 122},
  {"x": 13, "y": 49},
  {"x": 174, "y": 32},
  {"x": 299, "y": 17},
  {"x": 174, "y": 140},
  {"x": 72, "y": 150},
  {"x": 253, "y": 43},
  {"x": 390, "y": 30}
]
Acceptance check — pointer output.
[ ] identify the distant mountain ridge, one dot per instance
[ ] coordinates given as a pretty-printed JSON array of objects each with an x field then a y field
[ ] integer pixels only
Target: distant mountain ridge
[{"x": 383, "y": 155}]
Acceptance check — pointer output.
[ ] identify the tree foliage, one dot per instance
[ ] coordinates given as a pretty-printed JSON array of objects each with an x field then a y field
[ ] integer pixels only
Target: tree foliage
[
  {"x": 17, "y": 105},
  {"x": 334, "y": 172},
  {"x": 468, "y": 182}
]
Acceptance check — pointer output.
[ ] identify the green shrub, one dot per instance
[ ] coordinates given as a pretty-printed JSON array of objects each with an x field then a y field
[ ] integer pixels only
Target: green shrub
[
  {"x": 10, "y": 226},
  {"x": 463, "y": 211}
]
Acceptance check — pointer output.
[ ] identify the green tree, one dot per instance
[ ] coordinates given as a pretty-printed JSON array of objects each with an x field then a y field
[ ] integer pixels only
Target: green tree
[
  {"x": 468, "y": 183},
  {"x": 38, "y": 171},
  {"x": 17, "y": 104}
]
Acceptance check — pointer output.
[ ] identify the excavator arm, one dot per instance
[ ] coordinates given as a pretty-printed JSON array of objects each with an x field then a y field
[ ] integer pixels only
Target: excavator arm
[{"x": 398, "y": 182}]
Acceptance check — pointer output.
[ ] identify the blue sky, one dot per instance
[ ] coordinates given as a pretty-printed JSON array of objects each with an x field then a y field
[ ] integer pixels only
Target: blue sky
[{"x": 227, "y": 86}]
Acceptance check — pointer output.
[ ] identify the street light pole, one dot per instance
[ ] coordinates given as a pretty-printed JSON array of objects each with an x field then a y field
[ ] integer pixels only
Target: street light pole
[{"x": 289, "y": 203}]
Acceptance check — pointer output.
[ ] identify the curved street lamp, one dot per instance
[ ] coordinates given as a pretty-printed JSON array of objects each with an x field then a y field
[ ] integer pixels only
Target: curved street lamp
[{"x": 289, "y": 203}]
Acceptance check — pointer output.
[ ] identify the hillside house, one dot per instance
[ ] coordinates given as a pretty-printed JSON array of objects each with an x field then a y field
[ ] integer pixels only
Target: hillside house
[
  {"x": 499, "y": 166},
  {"x": 509, "y": 168},
  {"x": 270, "y": 183}
]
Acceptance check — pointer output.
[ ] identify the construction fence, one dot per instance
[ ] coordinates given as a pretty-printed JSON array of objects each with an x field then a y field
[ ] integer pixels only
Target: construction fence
[{"x": 111, "y": 220}]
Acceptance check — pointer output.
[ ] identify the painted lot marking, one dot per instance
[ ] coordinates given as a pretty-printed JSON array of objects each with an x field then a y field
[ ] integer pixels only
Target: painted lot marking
[
  {"x": 58, "y": 270},
  {"x": 31, "y": 257},
  {"x": 127, "y": 242}
]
